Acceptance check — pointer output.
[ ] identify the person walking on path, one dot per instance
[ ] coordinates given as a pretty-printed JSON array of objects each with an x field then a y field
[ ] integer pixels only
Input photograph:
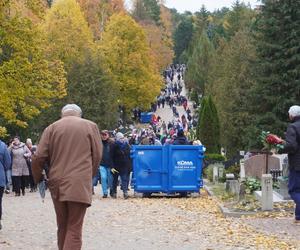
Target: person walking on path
[
  {"x": 8, "y": 172},
  {"x": 5, "y": 163},
  {"x": 20, "y": 154},
  {"x": 292, "y": 147},
  {"x": 32, "y": 149},
  {"x": 180, "y": 138},
  {"x": 120, "y": 153},
  {"x": 72, "y": 148},
  {"x": 106, "y": 164}
]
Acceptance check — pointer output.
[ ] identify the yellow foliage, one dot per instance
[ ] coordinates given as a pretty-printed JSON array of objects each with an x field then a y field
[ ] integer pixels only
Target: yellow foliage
[
  {"x": 3, "y": 132},
  {"x": 28, "y": 81},
  {"x": 160, "y": 45},
  {"x": 91, "y": 10},
  {"x": 127, "y": 55},
  {"x": 68, "y": 35}
]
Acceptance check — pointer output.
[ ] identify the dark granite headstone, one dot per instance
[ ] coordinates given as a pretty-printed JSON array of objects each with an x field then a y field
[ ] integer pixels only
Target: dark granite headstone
[{"x": 255, "y": 166}]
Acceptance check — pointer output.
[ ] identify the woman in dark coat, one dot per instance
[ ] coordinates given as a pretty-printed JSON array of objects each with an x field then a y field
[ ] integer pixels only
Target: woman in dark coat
[{"x": 120, "y": 154}]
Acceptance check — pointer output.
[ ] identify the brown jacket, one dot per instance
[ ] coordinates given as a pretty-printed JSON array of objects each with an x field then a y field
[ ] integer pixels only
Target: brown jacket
[{"x": 73, "y": 149}]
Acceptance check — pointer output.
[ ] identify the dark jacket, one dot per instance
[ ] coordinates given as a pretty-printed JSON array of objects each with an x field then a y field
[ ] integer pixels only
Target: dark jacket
[
  {"x": 292, "y": 146},
  {"x": 121, "y": 157},
  {"x": 181, "y": 140},
  {"x": 5, "y": 163},
  {"x": 106, "y": 156}
]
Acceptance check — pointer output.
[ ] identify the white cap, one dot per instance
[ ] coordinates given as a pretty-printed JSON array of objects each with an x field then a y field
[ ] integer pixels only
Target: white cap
[
  {"x": 294, "y": 111},
  {"x": 119, "y": 136}
]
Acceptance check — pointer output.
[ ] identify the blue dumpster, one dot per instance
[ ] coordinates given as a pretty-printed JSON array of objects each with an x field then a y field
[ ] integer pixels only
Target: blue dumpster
[
  {"x": 168, "y": 169},
  {"x": 146, "y": 117}
]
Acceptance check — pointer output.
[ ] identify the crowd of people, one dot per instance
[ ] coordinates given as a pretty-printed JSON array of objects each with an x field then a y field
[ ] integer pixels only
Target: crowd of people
[
  {"x": 80, "y": 156},
  {"x": 16, "y": 174}
]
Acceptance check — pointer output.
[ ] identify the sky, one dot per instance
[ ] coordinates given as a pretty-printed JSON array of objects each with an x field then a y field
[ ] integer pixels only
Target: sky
[{"x": 195, "y": 5}]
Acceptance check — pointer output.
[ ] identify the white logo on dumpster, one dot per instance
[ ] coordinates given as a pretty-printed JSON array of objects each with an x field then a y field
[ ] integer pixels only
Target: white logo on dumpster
[{"x": 185, "y": 165}]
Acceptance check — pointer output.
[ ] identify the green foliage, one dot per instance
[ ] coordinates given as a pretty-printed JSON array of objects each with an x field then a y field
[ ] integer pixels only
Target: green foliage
[
  {"x": 146, "y": 10},
  {"x": 208, "y": 128},
  {"x": 278, "y": 67},
  {"x": 94, "y": 91},
  {"x": 252, "y": 185},
  {"x": 214, "y": 157},
  {"x": 234, "y": 169},
  {"x": 208, "y": 172},
  {"x": 198, "y": 64},
  {"x": 240, "y": 17},
  {"x": 182, "y": 37},
  {"x": 230, "y": 80},
  {"x": 194, "y": 96}
]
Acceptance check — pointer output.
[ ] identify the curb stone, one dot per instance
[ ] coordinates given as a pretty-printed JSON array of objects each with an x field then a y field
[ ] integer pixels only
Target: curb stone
[{"x": 225, "y": 211}]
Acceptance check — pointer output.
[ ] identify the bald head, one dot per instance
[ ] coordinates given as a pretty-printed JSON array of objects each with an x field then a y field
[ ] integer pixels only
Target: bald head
[{"x": 71, "y": 110}]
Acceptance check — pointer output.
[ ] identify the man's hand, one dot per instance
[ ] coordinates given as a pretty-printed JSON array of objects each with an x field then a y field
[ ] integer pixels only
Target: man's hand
[{"x": 114, "y": 171}]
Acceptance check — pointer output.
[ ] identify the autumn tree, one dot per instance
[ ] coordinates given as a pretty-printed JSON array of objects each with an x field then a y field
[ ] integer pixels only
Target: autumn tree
[
  {"x": 29, "y": 81},
  {"x": 127, "y": 55},
  {"x": 92, "y": 10},
  {"x": 159, "y": 45},
  {"x": 146, "y": 10},
  {"x": 67, "y": 33},
  {"x": 117, "y": 6}
]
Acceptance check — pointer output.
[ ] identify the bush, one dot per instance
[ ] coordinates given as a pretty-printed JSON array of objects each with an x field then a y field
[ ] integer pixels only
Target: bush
[
  {"x": 252, "y": 185},
  {"x": 234, "y": 169},
  {"x": 194, "y": 96},
  {"x": 208, "y": 173},
  {"x": 214, "y": 157}
]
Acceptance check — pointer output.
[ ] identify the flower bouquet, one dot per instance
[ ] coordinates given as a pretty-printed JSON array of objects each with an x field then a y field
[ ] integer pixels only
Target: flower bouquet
[{"x": 271, "y": 141}]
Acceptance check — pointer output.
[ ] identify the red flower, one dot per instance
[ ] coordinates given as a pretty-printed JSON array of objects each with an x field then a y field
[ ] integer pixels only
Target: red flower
[{"x": 273, "y": 139}]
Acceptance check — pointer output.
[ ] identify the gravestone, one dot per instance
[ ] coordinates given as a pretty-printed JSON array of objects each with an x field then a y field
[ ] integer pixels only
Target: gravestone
[
  {"x": 283, "y": 191},
  {"x": 233, "y": 187},
  {"x": 266, "y": 192},
  {"x": 218, "y": 172},
  {"x": 242, "y": 166},
  {"x": 221, "y": 171},
  {"x": 282, "y": 158},
  {"x": 255, "y": 166},
  {"x": 242, "y": 170},
  {"x": 215, "y": 174}
]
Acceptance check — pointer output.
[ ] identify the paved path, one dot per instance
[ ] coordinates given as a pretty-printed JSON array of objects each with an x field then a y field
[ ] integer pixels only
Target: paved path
[
  {"x": 166, "y": 113},
  {"x": 157, "y": 223},
  {"x": 144, "y": 224}
]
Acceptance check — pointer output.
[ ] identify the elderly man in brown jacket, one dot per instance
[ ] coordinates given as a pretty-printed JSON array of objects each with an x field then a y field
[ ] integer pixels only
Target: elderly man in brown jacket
[{"x": 72, "y": 149}]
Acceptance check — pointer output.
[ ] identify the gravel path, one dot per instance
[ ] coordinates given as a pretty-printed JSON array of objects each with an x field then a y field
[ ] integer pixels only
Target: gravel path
[
  {"x": 166, "y": 113},
  {"x": 148, "y": 224},
  {"x": 156, "y": 223}
]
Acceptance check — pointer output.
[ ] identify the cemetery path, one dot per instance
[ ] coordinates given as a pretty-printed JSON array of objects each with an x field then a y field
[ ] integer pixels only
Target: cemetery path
[
  {"x": 166, "y": 113},
  {"x": 147, "y": 224},
  {"x": 136, "y": 223}
]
